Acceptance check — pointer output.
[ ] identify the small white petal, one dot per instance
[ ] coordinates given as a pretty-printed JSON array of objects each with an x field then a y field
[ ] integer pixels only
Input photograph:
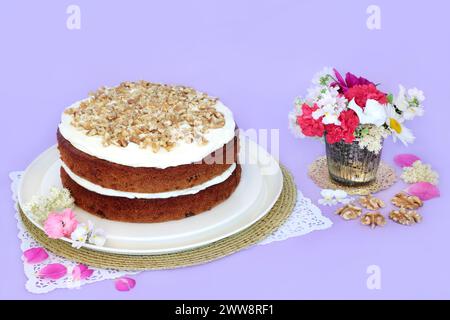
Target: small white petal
[
  {"x": 327, "y": 202},
  {"x": 327, "y": 193},
  {"x": 98, "y": 238},
  {"x": 340, "y": 194},
  {"x": 345, "y": 200}
]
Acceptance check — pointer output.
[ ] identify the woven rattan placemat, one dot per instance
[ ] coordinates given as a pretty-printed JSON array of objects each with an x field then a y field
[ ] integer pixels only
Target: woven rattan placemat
[{"x": 244, "y": 239}]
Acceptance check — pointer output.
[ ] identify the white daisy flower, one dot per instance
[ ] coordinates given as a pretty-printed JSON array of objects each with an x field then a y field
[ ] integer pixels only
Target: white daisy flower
[{"x": 395, "y": 123}]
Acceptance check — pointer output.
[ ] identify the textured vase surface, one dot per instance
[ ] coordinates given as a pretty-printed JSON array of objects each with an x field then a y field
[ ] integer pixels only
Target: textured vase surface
[{"x": 350, "y": 165}]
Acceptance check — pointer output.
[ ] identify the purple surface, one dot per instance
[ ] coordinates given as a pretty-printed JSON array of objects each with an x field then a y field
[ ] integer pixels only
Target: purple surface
[{"x": 257, "y": 56}]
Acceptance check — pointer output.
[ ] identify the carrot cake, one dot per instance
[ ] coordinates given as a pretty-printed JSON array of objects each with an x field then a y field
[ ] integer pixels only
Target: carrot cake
[{"x": 147, "y": 152}]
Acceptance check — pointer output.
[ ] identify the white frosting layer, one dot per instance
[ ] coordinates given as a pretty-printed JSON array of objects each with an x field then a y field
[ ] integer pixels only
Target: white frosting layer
[
  {"x": 134, "y": 156},
  {"x": 161, "y": 195}
]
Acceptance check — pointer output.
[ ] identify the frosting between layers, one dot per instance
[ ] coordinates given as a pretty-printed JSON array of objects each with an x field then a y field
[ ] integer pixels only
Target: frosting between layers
[
  {"x": 160, "y": 195},
  {"x": 134, "y": 156}
]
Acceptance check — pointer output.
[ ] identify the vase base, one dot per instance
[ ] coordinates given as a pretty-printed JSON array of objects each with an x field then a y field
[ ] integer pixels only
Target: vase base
[
  {"x": 347, "y": 183},
  {"x": 318, "y": 171}
]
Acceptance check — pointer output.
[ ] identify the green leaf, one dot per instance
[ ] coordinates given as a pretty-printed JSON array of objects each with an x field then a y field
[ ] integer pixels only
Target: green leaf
[{"x": 390, "y": 98}]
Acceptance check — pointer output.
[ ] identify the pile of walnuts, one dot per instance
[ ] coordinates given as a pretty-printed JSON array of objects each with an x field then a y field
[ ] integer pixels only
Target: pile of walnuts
[
  {"x": 148, "y": 114},
  {"x": 405, "y": 215}
]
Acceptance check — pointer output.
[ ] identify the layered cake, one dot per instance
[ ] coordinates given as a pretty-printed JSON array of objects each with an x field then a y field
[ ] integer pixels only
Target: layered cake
[{"x": 146, "y": 152}]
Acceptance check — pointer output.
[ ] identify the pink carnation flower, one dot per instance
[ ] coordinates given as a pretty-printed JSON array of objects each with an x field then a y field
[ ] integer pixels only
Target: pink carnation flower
[
  {"x": 310, "y": 127},
  {"x": 60, "y": 224}
]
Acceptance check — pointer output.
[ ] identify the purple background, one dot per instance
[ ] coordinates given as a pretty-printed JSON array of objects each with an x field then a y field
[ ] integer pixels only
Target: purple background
[{"x": 257, "y": 56}]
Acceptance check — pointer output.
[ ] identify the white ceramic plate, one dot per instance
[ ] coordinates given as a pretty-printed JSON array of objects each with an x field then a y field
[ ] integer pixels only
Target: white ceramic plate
[{"x": 260, "y": 187}]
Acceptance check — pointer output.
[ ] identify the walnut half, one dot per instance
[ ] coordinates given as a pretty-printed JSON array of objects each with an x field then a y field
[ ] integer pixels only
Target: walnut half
[
  {"x": 371, "y": 203},
  {"x": 349, "y": 212},
  {"x": 405, "y": 217},
  {"x": 373, "y": 219},
  {"x": 403, "y": 200}
]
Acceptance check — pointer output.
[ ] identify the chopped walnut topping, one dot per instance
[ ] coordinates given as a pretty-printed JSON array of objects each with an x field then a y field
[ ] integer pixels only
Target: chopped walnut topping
[
  {"x": 405, "y": 217},
  {"x": 371, "y": 203},
  {"x": 373, "y": 219},
  {"x": 148, "y": 114},
  {"x": 349, "y": 212},
  {"x": 403, "y": 200}
]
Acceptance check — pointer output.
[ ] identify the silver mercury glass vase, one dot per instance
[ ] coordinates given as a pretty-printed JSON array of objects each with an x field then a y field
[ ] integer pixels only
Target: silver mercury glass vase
[{"x": 350, "y": 165}]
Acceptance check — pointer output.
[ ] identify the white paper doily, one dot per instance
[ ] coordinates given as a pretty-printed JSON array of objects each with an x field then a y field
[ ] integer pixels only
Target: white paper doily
[
  {"x": 36, "y": 284},
  {"x": 305, "y": 218}
]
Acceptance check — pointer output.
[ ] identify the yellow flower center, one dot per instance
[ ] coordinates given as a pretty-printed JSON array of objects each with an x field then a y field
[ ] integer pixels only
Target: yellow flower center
[{"x": 395, "y": 125}]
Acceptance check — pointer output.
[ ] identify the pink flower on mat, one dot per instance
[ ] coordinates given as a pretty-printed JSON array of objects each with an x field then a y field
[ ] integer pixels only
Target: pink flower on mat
[{"x": 60, "y": 224}]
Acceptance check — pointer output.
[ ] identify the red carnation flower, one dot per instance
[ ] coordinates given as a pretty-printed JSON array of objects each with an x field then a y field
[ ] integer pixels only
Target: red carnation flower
[
  {"x": 346, "y": 131},
  {"x": 310, "y": 126},
  {"x": 362, "y": 93}
]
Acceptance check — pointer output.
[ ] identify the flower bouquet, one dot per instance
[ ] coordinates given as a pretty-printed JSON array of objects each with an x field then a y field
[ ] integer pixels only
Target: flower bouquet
[{"x": 354, "y": 117}]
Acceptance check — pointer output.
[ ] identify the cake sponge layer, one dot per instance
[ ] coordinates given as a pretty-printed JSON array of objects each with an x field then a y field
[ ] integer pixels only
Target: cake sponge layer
[
  {"x": 151, "y": 210},
  {"x": 146, "y": 180}
]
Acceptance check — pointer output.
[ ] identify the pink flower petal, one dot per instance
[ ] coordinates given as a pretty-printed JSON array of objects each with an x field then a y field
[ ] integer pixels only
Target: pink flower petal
[
  {"x": 424, "y": 190},
  {"x": 81, "y": 272},
  {"x": 405, "y": 160},
  {"x": 35, "y": 255},
  {"x": 125, "y": 284},
  {"x": 53, "y": 271}
]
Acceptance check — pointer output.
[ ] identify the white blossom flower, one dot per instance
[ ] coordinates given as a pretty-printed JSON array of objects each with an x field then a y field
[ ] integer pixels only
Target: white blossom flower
[
  {"x": 416, "y": 95},
  {"x": 293, "y": 125},
  {"x": 86, "y": 233},
  {"x": 329, "y": 113},
  {"x": 412, "y": 112},
  {"x": 314, "y": 93},
  {"x": 330, "y": 104},
  {"x": 328, "y": 198},
  {"x": 98, "y": 237},
  {"x": 410, "y": 104},
  {"x": 81, "y": 234},
  {"x": 323, "y": 77},
  {"x": 56, "y": 200},
  {"x": 373, "y": 113},
  {"x": 342, "y": 197},
  {"x": 332, "y": 197}
]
